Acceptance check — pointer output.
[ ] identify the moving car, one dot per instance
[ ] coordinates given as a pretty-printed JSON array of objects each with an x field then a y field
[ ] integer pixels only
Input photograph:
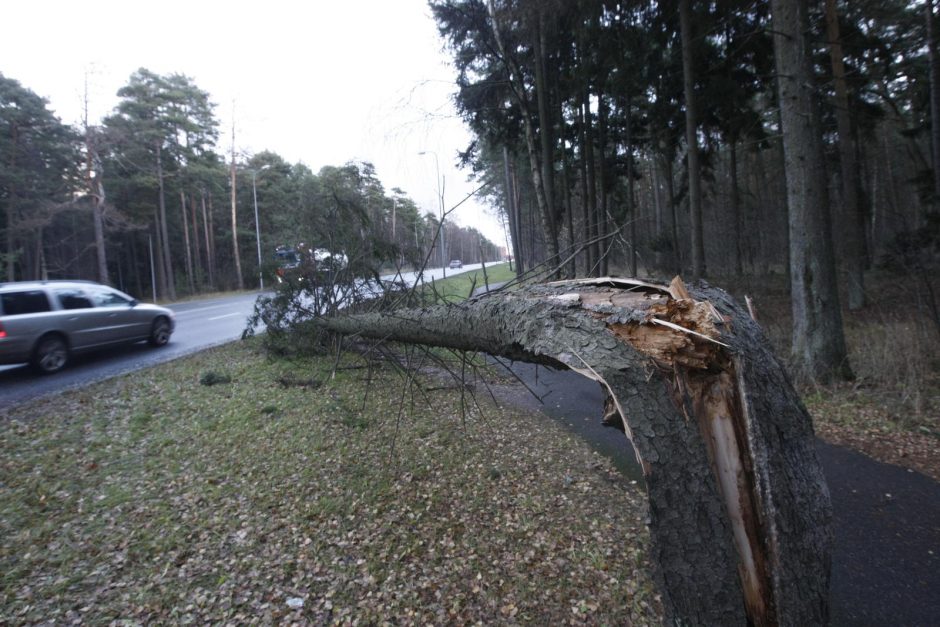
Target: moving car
[
  {"x": 456, "y": 263},
  {"x": 304, "y": 263},
  {"x": 46, "y": 322}
]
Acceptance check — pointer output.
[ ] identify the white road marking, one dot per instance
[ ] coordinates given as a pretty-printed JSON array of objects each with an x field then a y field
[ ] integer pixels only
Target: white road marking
[{"x": 225, "y": 316}]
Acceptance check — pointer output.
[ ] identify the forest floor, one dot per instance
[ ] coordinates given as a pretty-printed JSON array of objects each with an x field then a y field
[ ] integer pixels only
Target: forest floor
[
  {"x": 228, "y": 487},
  {"x": 891, "y": 411}
]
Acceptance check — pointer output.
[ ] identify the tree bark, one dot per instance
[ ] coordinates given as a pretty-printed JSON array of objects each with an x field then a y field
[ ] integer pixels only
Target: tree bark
[
  {"x": 517, "y": 89},
  {"x": 739, "y": 509},
  {"x": 691, "y": 140},
  {"x": 238, "y": 259},
  {"x": 818, "y": 341},
  {"x": 189, "y": 254},
  {"x": 853, "y": 220},
  {"x": 169, "y": 280},
  {"x": 934, "y": 69},
  {"x": 735, "y": 205}
]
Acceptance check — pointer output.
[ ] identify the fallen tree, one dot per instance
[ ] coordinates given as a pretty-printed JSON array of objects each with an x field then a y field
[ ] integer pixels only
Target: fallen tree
[{"x": 739, "y": 508}]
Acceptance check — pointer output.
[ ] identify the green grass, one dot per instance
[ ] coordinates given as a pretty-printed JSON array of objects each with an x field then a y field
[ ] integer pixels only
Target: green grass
[
  {"x": 153, "y": 498},
  {"x": 460, "y": 286}
]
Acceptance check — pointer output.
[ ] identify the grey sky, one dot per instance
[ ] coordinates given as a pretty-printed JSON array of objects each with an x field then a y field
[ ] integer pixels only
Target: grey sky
[{"x": 316, "y": 81}]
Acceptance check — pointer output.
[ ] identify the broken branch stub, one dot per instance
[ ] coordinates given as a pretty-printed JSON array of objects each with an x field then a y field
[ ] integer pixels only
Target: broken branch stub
[{"x": 739, "y": 509}]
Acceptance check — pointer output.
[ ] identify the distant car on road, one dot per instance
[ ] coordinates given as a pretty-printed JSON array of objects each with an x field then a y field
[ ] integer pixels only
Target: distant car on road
[
  {"x": 456, "y": 263},
  {"x": 46, "y": 322}
]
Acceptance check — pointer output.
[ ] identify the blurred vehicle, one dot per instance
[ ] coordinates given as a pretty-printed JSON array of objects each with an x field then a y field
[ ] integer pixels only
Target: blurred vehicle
[
  {"x": 456, "y": 263},
  {"x": 46, "y": 322},
  {"x": 303, "y": 263}
]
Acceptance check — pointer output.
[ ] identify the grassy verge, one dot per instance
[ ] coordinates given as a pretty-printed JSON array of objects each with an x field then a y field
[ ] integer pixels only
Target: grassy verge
[
  {"x": 280, "y": 494},
  {"x": 460, "y": 286}
]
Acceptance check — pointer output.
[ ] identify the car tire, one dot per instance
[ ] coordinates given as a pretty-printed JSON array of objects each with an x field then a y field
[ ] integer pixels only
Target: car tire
[
  {"x": 51, "y": 354},
  {"x": 159, "y": 332}
]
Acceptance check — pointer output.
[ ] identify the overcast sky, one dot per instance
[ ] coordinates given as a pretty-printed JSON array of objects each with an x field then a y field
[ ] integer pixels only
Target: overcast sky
[{"x": 314, "y": 81}]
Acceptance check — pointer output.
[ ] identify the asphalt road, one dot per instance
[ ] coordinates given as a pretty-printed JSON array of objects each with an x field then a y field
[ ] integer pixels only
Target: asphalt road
[
  {"x": 199, "y": 325},
  {"x": 886, "y": 519}
]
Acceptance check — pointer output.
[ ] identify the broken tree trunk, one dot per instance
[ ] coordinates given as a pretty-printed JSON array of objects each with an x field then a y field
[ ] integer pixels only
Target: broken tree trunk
[{"x": 739, "y": 508}]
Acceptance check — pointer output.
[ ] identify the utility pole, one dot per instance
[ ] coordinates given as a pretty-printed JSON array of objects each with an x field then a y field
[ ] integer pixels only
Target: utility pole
[{"x": 440, "y": 197}]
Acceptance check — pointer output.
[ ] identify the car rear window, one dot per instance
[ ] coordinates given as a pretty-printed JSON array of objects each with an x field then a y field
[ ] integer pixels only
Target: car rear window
[{"x": 26, "y": 302}]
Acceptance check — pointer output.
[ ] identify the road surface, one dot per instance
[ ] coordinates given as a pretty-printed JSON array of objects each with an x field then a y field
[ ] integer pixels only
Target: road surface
[{"x": 199, "y": 325}]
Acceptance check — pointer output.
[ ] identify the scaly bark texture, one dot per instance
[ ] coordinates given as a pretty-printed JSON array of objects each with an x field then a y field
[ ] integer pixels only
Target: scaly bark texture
[
  {"x": 818, "y": 340},
  {"x": 739, "y": 509}
]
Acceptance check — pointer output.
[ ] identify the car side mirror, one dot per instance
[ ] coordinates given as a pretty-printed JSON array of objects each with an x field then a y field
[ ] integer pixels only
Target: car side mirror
[{"x": 133, "y": 302}]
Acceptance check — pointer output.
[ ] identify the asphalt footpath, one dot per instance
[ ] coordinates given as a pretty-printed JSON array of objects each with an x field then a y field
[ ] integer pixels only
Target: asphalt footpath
[{"x": 886, "y": 519}]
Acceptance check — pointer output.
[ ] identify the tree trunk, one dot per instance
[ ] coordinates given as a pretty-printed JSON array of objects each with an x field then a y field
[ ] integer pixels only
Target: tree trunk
[
  {"x": 238, "y": 260},
  {"x": 934, "y": 69},
  {"x": 632, "y": 212},
  {"x": 546, "y": 139},
  {"x": 169, "y": 280},
  {"x": 591, "y": 211},
  {"x": 94, "y": 182},
  {"x": 602, "y": 220},
  {"x": 739, "y": 509},
  {"x": 197, "y": 251},
  {"x": 691, "y": 139},
  {"x": 852, "y": 227},
  {"x": 652, "y": 170},
  {"x": 818, "y": 341},
  {"x": 189, "y": 253},
  {"x": 736, "y": 205},
  {"x": 10, "y": 261},
  {"x": 546, "y": 211},
  {"x": 674, "y": 212},
  {"x": 583, "y": 189},
  {"x": 210, "y": 236},
  {"x": 511, "y": 216}
]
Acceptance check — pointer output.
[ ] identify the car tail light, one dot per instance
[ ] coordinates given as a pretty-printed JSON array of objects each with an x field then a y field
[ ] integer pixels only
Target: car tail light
[{"x": 3, "y": 332}]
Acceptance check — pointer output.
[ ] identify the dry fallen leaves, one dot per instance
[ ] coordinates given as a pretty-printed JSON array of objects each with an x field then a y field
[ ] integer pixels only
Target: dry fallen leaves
[{"x": 154, "y": 499}]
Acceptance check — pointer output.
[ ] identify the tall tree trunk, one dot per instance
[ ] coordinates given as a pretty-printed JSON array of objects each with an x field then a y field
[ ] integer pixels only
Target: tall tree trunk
[
  {"x": 197, "y": 252},
  {"x": 818, "y": 341},
  {"x": 546, "y": 211},
  {"x": 674, "y": 212},
  {"x": 632, "y": 207},
  {"x": 853, "y": 234},
  {"x": 238, "y": 260},
  {"x": 583, "y": 188},
  {"x": 210, "y": 237},
  {"x": 169, "y": 280},
  {"x": 95, "y": 186},
  {"x": 934, "y": 69},
  {"x": 512, "y": 217},
  {"x": 735, "y": 205},
  {"x": 189, "y": 254},
  {"x": 739, "y": 511},
  {"x": 591, "y": 213},
  {"x": 652, "y": 170},
  {"x": 159, "y": 264},
  {"x": 10, "y": 261},
  {"x": 602, "y": 219},
  {"x": 546, "y": 138},
  {"x": 691, "y": 139}
]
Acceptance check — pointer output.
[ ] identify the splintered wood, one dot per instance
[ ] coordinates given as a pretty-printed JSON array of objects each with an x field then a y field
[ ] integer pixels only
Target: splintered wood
[{"x": 680, "y": 332}]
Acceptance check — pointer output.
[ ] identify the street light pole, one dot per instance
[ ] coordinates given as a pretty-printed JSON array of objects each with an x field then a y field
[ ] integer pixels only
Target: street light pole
[
  {"x": 440, "y": 198},
  {"x": 254, "y": 193}
]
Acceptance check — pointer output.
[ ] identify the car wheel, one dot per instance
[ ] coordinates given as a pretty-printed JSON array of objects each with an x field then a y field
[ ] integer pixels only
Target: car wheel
[
  {"x": 160, "y": 332},
  {"x": 51, "y": 354}
]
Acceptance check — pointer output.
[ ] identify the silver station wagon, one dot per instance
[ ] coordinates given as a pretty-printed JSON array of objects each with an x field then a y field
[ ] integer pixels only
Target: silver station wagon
[{"x": 46, "y": 322}]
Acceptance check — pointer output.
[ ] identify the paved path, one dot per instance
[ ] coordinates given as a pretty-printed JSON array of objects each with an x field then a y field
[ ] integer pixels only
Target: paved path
[{"x": 886, "y": 519}]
